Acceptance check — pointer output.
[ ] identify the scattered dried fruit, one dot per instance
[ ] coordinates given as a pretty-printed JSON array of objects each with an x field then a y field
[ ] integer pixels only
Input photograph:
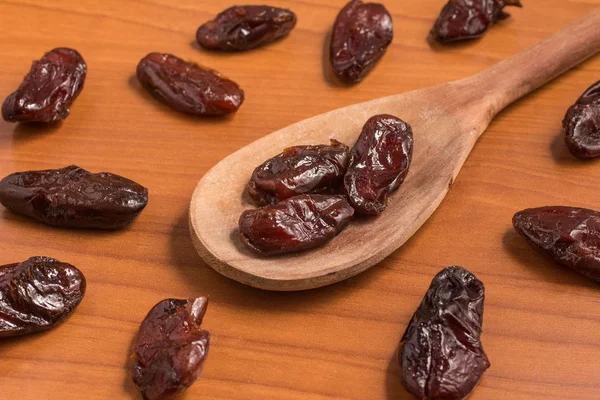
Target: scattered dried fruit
[
  {"x": 241, "y": 28},
  {"x": 72, "y": 197},
  {"x": 361, "y": 34},
  {"x": 379, "y": 163},
  {"x": 37, "y": 295},
  {"x": 298, "y": 223},
  {"x": 568, "y": 235},
  {"x": 299, "y": 170},
  {"x": 582, "y": 124},
  {"x": 48, "y": 90},
  {"x": 469, "y": 19},
  {"x": 171, "y": 348},
  {"x": 441, "y": 357},
  {"x": 187, "y": 87}
]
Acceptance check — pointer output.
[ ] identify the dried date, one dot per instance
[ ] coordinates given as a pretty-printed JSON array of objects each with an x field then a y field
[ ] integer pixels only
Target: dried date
[
  {"x": 361, "y": 34},
  {"x": 582, "y": 124},
  {"x": 72, "y": 197},
  {"x": 241, "y": 28},
  {"x": 298, "y": 223},
  {"x": 171, "y": 348},
  {"x": 441, "y": 357},
  {"x": 187, "y": 87},
  {"x": 568, "y": 235},
  {"x": 48, "y": 90},
  {"x": 468, "y": 19},
  {"x": 299, "y": 170},
  {"x": 379, "y": 163},
  {"x": 37, "y": 295}
]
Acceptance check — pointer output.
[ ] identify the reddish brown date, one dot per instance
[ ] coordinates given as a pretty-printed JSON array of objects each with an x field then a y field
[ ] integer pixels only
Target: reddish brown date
[
  {"x": 171, "y": 348},
  {"x": 72, "y": 197},
  {"x": 299, "y": 223},
  {"x": 37, "y": 295},
  {"x": 361, "y": 34},
  {"x": 187, "y": 87},
  {"x": 441, "y": 357},
  {"x": 48, "y": 90},
  {"x": 570, "y": 236},
  {"x": 299, "y": 170},
  {"x": 379, "y": 163},
  {"x": 582, "y": 124},
  {"x": 241, "y": 28},
  {"x": 468, "y": 19}
]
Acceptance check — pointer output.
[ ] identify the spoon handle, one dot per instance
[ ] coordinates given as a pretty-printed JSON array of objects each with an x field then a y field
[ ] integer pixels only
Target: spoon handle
[{"x": 526, "y": 71}]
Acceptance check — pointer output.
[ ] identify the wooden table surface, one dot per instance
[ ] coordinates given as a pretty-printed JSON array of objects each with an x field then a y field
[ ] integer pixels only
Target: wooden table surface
[{"x": 541, "y": 330}]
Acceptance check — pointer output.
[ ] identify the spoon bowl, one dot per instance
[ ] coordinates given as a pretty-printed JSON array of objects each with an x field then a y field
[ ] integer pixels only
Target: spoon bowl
[{"x": 446, "y": 121}]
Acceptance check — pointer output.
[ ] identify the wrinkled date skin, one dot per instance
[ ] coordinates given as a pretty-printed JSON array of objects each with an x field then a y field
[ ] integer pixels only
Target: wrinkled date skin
[
  {"x": 379, "y": 163},
  {"x": 361, "y": 34},
  {"x": 241, "y": 28},
  {"x": 187, "y": 87},
  {"x": 582, "y": 124},
  {"x": 441, "y": 357},
  {"x": 468, "y": 19},
  {"x": 299, "y": 223},
  {"x": 299, "y": 170},
  {"x": 570, "y": 236},
  {"x": 48, "y": 90},
  {"x": 72, "y": 197},
  {"x": 37, "y": 295},
  {"x": 171, "y": 348}
]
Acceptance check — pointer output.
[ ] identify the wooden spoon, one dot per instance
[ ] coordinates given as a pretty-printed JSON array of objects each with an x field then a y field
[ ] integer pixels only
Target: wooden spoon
[{"x": 447, "y": 120}]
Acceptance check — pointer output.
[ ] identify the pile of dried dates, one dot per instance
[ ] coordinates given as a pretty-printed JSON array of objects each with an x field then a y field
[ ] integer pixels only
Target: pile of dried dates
[{"x": 309, "y": 194}]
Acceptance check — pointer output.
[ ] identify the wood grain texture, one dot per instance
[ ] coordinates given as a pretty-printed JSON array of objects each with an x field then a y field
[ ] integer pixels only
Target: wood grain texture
[{"x": 541, "y": 329}]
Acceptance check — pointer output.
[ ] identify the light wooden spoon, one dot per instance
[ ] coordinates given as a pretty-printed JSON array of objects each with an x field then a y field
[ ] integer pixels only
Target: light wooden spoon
[{"x": 447, "y": 120}]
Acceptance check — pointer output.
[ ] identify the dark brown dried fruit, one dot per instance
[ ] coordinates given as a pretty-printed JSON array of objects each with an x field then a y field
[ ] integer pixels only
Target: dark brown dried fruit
[
  {"x": 299, "y": 223},
  {"x": 582, "y": 124},
  {"x": 469, "y": 19},
  {"x": 568, "y": 235},
  {"x": 37, "y": 295},
  {"x": 299, "y": 170},
  {"x": 48, "y": 90},
  {"x": 379, "y": 163},
  {"x": 441, "y": 357},
  {"x": 171, "y": 348},
  {"x": 241, "y": 28},
  {"x": 72, "y": 197},
  {"x": 187, "y": 87},
  {"x": 361, "y": 34}
]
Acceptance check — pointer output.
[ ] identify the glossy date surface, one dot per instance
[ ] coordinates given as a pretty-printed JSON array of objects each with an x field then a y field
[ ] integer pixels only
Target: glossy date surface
[
  {"x": 188, "y": 87},
  {"x": 379, "y": 163},
  {"x": 72, "y": 197},
  {"x": 582, "y": 124},
  {"x": 48, "y": 90},
  {"x": 242, "y": 28},
  {"x": 468, "y": 19},
  {"x": 171, "y": 348},
  {"x": 568, "y": 235},
  {"x": 38, "y": 294},
  {"x": 361, "y": 34},
  {"x": 298, "y": 223},
  {"x": 441, "y": 357},
  {"x": 299, "y": 170}
]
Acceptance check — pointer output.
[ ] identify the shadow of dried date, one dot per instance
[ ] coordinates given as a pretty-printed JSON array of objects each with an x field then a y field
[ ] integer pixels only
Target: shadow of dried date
[
  {"x": 468, "y": 19},
  {"x": 241, "y": 28},
  {"x": 171, "y": 348},
  {"x": 441, "y": 357},
  {"x": 72, "y": 197},
  {"x": 37, "y": 295},
  {"x": 187, "y": 87},
  {"x": 582, "y": 124},
  {"x": 570, "y": 236},
  {"x": 48, "y": 90}
]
